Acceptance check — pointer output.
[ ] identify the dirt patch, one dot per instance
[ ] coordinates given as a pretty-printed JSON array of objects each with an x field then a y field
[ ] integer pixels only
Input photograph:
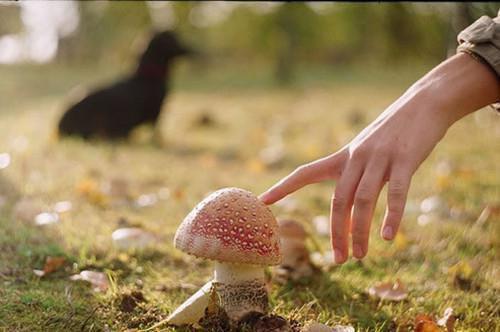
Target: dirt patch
[{"x": 130, "y": 301}]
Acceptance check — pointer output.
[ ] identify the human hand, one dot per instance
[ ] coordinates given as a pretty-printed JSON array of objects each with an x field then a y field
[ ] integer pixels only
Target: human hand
[{"x": 390, "y": 150}]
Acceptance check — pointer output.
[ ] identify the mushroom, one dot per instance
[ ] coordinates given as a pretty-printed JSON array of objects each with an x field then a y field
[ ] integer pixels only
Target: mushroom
[
  {"x": 239, "y": 232},
  {"x": 296, "y": 261}
]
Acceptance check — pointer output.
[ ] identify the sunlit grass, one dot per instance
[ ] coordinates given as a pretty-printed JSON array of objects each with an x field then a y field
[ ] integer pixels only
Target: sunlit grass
[{"x": 312, "y": 118}]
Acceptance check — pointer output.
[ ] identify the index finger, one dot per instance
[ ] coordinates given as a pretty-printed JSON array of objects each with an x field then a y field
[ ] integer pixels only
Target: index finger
[{"x": 316, "y": 171}]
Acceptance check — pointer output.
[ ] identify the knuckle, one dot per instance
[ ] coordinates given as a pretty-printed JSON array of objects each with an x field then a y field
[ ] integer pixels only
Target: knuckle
[
  {"x": 363, "y": 197},
  {"x": 395, "y": 212},
  {"x": 359, "y": 153},
  {"x": 338, "y": 202},
  {"x": 359, "y": 232},
  {"x": 381, "y": 150},
  {"x": 397, "y": 188}
]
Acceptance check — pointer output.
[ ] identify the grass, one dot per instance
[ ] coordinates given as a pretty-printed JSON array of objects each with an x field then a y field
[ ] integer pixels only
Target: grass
[{"x": 314, "y": 117}]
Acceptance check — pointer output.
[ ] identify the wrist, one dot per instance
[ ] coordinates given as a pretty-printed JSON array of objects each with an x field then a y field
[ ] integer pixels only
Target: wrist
[{"x": 457, "y": 87}]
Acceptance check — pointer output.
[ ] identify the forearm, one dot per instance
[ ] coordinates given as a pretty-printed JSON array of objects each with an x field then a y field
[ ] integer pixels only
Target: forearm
[{"x": 457, "y": 87}]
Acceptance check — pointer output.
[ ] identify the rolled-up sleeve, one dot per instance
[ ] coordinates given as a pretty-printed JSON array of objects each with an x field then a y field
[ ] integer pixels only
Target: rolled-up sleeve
[{"x": 482, "y": 40}]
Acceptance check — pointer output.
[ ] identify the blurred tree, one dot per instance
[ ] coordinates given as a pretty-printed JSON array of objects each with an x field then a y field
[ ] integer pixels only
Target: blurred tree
[
  {"x": 292, "y": 27},
  {"x": 282, "y": 35},
  {"x": 401, "y": 38},
  {"x": 107, "y": 31}
]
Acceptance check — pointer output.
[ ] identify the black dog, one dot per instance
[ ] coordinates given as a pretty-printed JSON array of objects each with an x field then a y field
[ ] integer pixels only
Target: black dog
[{"x": 112, "y": 112}]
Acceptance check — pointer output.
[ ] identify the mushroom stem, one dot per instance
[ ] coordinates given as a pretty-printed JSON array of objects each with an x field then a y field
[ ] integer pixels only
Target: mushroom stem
[
  {"x": 236, "y": 273},
  {"x": 241, "y": 289}
]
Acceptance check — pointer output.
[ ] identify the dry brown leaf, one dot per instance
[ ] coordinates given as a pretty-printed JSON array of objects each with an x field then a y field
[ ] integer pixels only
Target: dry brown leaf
[
  {"x": 448, "y": 320},
  {"x": 98, "y": 280},
  {"x": 52, "y": 264},
  {"x": 425, "y": 323},
  {"x": 255, "y": 166},
  {"x": 489, "y": 213},
  {"x": 179, "y": 194},
  {"x": 89, "y": 188},
  {"x": 401, "y": 241},
  {"x": 389, "y": 291}
]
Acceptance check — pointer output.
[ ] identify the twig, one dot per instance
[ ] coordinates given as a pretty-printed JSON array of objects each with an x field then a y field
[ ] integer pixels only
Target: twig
[{"x": 87, "y": 319}]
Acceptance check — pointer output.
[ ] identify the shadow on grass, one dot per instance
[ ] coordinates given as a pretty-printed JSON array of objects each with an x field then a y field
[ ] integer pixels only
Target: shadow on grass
[{"x": 334, "y": 299}]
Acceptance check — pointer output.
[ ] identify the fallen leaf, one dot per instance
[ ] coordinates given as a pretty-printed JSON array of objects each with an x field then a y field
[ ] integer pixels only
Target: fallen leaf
[
  {"x": 256, "y": 166},
  {"x": 98, "y": 280},
  {"x": 448, "y": 320},
  {"x": 52, "y": 264},
  {"x": 425, "y": 323},
  {"x": 4, "y": 160},
  {"x": 389, "y": 291},
  {"x": 132, "y": 237},
  {"x": 146, "y": 200},
  {"x": 322, "y": 225},
  {"x": 401, "y": 241},
  {"x": 63, "y": 206},
  {"x": 179, "y": 194},
  {"x": 491, "y": 211},
  {"x": 46, "y": 218},
  {"x": 89, "y": 188}
]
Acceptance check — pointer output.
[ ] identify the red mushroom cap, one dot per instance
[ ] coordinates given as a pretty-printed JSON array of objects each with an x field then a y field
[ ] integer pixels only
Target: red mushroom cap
[{"x": 231, "y": 225}]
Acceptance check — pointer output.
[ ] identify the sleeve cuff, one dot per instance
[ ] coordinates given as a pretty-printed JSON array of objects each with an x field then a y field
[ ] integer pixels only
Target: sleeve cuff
[{"x": 482, "y": 41}]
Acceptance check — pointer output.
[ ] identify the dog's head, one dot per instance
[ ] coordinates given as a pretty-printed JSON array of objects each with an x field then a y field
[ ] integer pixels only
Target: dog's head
[{"x": 165, "y": 46}]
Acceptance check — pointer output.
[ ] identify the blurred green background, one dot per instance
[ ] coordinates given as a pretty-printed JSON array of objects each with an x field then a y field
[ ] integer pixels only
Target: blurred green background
[{"x": 273, "y": 37}]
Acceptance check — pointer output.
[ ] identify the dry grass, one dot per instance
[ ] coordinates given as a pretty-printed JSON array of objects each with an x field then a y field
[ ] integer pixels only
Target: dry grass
[{"x": 313, "y": 119}]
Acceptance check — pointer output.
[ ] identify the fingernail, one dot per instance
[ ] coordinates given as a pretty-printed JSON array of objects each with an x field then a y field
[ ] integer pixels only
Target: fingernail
[
  {"x": 337, "y": 255},
  {"x": 388, "y": 233},
  {"x": 263, "y": 196},
  {"x": 356, "y": 250}
]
